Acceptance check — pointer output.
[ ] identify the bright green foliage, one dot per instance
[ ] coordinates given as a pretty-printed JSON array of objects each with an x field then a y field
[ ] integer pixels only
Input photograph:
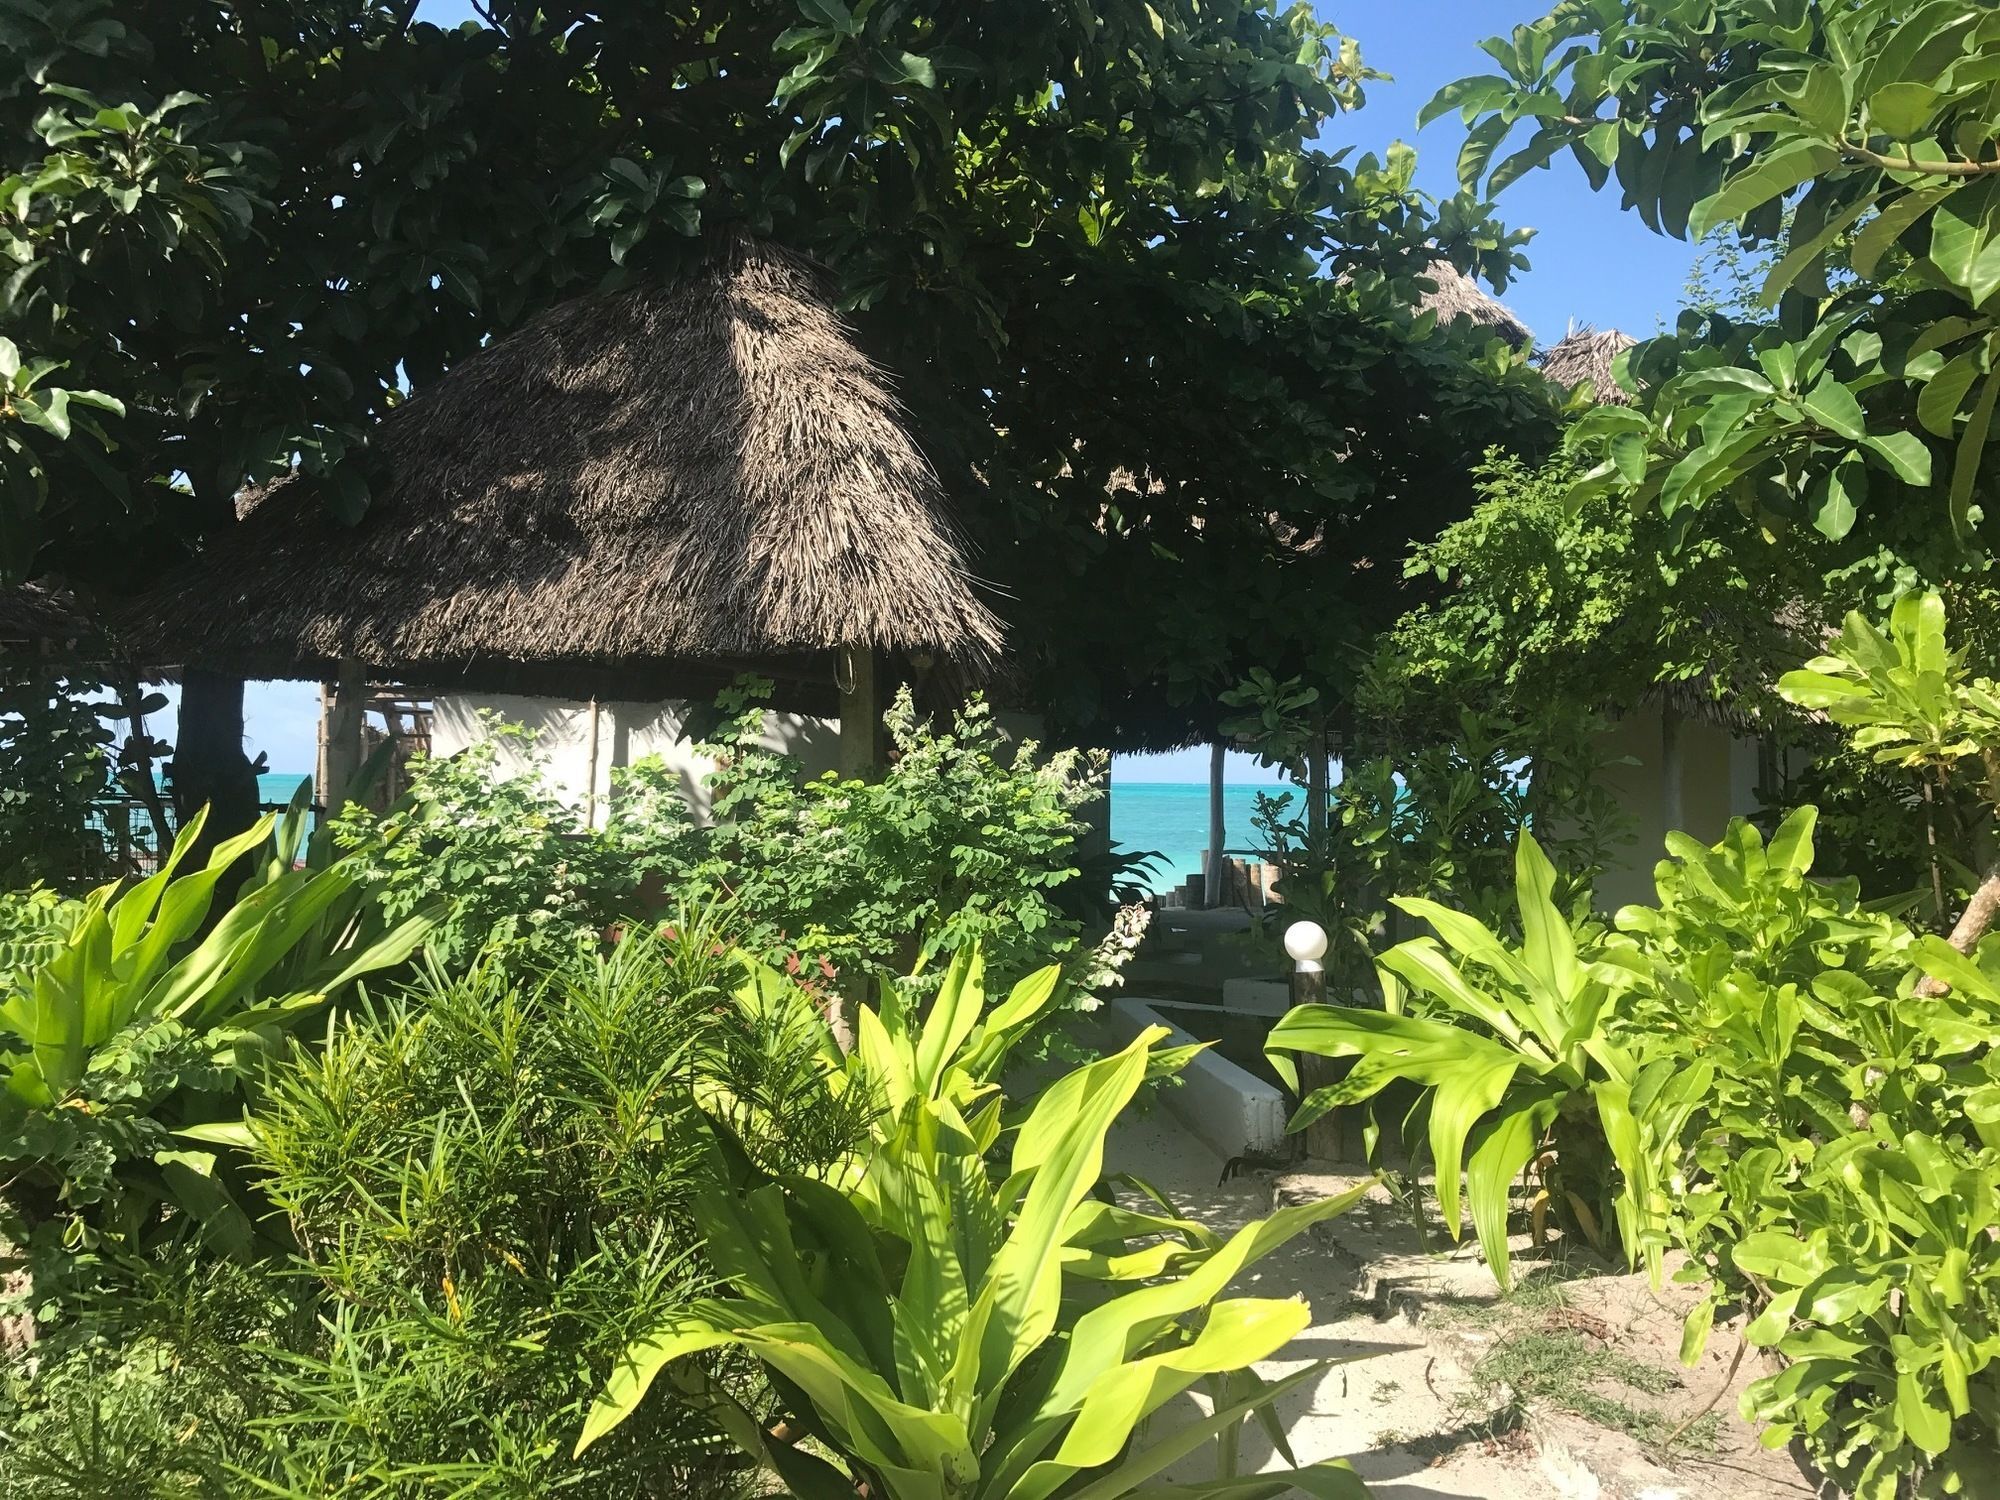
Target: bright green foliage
[
  {"x": 964, "y": 838},
  {"x": 1579, "y": 608},
  {"x": 1908, "y": 700},
  {"x": 1885, "y": 1305},
  {"x": 33, "y": 926},
  {"x": 1440, "y": 821},
  {"x": 1780, "y": 1104},
  {"x": 505, "y": 855},
  {"x": 490, "y": 1183},
  {"x": 1538, "y": 1063},
  {"x": 1853, "y": 139},
  {"x": 139, "y": 1021},
  {"x": 927, "y": 1311}
]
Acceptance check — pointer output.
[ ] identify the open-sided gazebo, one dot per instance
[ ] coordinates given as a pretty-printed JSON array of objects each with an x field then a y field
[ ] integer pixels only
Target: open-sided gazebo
[{"x": 637, "y": 495}]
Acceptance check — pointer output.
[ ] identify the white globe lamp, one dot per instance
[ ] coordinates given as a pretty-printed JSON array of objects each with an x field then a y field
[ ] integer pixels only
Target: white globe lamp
[{"x": 1305, "y": 942}]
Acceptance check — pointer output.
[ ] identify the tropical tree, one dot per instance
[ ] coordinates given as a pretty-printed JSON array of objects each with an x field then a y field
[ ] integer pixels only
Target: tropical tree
[
  {"x": 1085, "y": 237},
  {"x": 1858, "y": 142}
]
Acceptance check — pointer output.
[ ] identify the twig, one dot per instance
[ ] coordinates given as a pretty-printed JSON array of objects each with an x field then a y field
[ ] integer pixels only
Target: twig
[{"x": 1727, "y": 1381}]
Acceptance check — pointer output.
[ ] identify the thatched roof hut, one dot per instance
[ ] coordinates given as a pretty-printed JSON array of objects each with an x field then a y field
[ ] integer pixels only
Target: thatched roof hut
[
  {"x": 638, "y": 494},
  {"x": 1459, "y": 296},
  {"x": 1587, "y": 354}
]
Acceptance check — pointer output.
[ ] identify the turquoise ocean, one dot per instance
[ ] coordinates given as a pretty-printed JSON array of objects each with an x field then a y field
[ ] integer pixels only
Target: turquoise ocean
[{"x": 1170, "y": 818}]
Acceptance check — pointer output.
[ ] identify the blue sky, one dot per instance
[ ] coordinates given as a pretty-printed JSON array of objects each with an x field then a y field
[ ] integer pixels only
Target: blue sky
[{"x": 1592, "y": 263}]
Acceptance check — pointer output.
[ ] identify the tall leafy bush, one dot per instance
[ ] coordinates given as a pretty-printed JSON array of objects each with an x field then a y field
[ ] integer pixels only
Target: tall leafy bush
[
  {"x": 121, "y": 1039},
  {"x": 963, "y": 838},
  {"x": 956, "y": 1313},
  {"x": 1801, "y": 1093}
]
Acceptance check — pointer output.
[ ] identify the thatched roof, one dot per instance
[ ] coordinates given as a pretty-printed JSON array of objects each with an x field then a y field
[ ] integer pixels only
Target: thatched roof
[
  {"x": 43, "y": 619},
  {"x": 1459, "y": 296},
  {"x": 639, "y": 492},
  {"x": 1587, "y": 354}
]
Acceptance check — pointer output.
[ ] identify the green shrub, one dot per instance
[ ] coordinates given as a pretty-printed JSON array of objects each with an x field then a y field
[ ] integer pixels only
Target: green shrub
[
  {"x": 954, "y": 1316},
  {"x": 503, "y": 854},
  {"x": 121, "y": 1043},
  {"x": 1781, "y": 1103},
  {"x": 491, "y": 1187},
  {"x": 961, "y": 839},
  {"x": 149, "y": 1388}
]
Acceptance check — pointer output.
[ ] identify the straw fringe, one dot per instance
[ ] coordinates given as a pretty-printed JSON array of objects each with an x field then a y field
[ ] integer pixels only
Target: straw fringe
[{"x": 705, "y": 471}]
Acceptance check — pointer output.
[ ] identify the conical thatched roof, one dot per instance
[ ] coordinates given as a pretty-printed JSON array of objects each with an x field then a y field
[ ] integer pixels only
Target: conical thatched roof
[
  {"x": 1587, "y": 354},
  {"x": 639, "y": 492},
  {"x": 1459, "y": 296}
]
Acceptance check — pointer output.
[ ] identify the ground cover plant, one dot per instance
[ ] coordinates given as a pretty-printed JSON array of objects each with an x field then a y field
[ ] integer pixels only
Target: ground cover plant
[{"x": 1796, "y": 1091}]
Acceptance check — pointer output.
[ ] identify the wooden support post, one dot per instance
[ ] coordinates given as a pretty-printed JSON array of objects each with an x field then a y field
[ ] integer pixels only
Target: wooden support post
[
  {"x": 590, "y": 770},
  {"x": 1216, "y": 889},
  {"x": 1317, "y": 788},
  {"x": 343, "y": 704},
  {"x": 860, "y": 713}
]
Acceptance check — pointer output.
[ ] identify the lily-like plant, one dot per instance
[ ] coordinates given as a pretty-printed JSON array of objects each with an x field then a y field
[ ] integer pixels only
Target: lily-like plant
[
  {"x": 1519, "y": 1064},
  {"x": 960, "y": 1317},
  {"x": 128, "y": 1002}
]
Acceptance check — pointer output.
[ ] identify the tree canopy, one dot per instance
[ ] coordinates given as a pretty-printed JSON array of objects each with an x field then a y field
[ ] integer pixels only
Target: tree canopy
[
  {"x": 1861, "y": 142},
  {"x": 1158, "y": 337}
]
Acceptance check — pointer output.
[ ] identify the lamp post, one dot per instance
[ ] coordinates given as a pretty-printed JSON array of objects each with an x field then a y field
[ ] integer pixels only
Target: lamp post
[{"x": 1305, "y": 943}]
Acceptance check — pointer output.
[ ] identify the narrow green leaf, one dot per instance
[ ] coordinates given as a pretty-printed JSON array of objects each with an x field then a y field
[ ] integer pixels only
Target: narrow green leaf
[{"x": 1971, "y": 456}]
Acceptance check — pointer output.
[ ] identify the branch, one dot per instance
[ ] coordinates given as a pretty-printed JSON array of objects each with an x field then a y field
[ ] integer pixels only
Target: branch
[
  {"x": 1909, "y": 163},
  {"x": 1977, "y": 918}
]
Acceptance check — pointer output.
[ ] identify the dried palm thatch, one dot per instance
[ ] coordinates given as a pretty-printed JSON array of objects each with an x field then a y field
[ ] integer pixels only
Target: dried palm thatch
[
  {"x": 42, "y": 619},
  {"x": 1459, "y": 296},
  {"x": 639, "y": 492},
  {"x": 1587, "y": 354}
]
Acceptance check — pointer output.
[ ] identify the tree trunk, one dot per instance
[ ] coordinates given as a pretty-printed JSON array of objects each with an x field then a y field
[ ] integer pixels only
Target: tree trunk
[
  {"x": 1973, "y": 924},
  {"x": 1318, "y": 778},
  {"x": 210, "y": 768},
  {"x": 1216, "y": 885}
]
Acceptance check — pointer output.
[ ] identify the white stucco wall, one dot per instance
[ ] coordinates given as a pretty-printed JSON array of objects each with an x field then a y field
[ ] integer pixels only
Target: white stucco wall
[
  {"x": 1718, "y": 781},
  {"x": 626, "y": 732}
]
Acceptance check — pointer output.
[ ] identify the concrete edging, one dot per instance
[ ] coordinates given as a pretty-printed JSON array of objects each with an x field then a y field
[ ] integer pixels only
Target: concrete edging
[{"x": 1233, "y": 1112}]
